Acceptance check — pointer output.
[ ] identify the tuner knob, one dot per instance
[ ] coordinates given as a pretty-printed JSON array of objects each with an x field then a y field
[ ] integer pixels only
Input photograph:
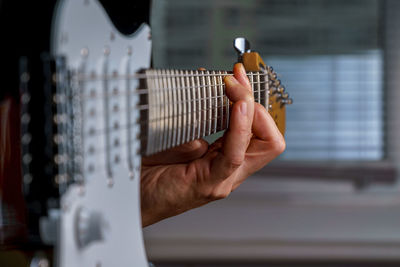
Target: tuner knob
[{"x": 241, "y": 45}]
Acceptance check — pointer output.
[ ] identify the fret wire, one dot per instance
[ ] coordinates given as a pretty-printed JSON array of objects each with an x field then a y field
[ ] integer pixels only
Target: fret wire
[
  {"x": 152, "y": 132},
  {"x": 209, "y": 103},
  {"x": 194, "y": 108},
  {"x": 183, "y": 129},
  {"x": 251, "y": 82},
  {"x": 203, "y": 101},
  {"x": 159, "y": 122},
  {"x": 177, "y": 109},
  {"x": 155, "y": 128},
  {"x": 198, "y": 107},
  {"x": 214, "y": 90},
  {"x": 258, "y": 87},
  {"x": 189, "y": 106},
  {"x": 171, "y": 125},
  {"x": 164, "y": 110},
  {"x": 221, "y": 93}
]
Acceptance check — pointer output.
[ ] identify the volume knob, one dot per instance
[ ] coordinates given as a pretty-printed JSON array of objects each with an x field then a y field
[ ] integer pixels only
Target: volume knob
[{"x": 89, "y": 227}]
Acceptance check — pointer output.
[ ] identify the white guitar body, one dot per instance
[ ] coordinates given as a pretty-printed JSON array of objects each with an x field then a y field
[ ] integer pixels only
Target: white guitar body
[{"x": 100, "y": 222}]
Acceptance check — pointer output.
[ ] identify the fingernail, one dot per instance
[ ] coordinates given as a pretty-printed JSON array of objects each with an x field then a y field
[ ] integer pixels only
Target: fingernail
[
  {"x": 230, "y": 80},
  {"x": 243, "y": 108}
]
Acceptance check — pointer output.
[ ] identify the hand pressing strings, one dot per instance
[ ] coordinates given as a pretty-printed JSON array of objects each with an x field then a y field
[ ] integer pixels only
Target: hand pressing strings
[{"x": 195, "y": 173}]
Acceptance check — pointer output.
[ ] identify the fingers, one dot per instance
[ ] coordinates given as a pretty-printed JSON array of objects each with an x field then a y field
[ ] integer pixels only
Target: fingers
[
  {"x": 267, "y": 144},
  {"x": 180, "y": 154},
  {"x": 241, "y": 76},
  {"x": 237, "y": 88},
  {"x": 237, "y": 138},
  {"x": 264, "y": 126},
  {"x": 236, "y": 141}
]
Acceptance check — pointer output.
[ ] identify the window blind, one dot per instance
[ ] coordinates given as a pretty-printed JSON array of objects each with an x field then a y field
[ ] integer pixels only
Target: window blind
[{"x": 328, "y": 54}]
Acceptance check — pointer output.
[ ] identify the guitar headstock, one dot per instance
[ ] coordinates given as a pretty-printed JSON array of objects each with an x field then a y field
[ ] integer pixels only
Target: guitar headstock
[{"x": 277, "y": 97}]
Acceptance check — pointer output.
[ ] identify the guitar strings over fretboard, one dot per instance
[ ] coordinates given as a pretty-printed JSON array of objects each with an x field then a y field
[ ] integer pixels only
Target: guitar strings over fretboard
[
  {"x": 176, "y": 106},
  {"x": 186, "y": 105}
]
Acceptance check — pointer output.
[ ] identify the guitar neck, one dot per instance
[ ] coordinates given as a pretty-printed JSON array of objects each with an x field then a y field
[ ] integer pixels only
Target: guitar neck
[{"x": 184, "y": 105}]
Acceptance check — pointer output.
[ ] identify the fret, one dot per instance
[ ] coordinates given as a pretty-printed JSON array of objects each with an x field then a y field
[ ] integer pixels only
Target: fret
[
  {"x": 155, "y": 114},
  {"x": 149, "y": 148},
  {"x": 189, "y": 106},
  {"x": 160, "y": 123},
  {"x": 250, "y": 76},
  {"x": 171, "y": 110},
  {"x": 258, "y": 96},
  {"x": 227, "y": 109},
  {"x": 209, "y": 103},
  {"x": 183, "y": 94},
  {"x": 164, "y": 110},
  {"x": 177, "y": 107},
  {"x": 214, "y": 109},
  {"x": 161, "y": 107},
  {"x": 194, "y": 103},
  {"x": 265, "y": 90},
  {"x": 198, "y": 100},
  {"x": 221, "y": 100},
  {"x": 204, "y": 105}
]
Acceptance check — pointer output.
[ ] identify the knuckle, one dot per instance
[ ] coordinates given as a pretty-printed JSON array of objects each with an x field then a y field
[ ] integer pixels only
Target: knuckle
[
  {"x": 249, "y": 97},
  {"x": 278, "y": 145},
  {"x": 243, "y": 131},
  {"x": 235, "y": 162},
  {"x": 218, "y": 194}
]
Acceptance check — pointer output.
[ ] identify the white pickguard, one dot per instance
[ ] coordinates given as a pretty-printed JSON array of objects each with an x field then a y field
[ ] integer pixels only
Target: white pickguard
[{"x": 108, "y": 198}]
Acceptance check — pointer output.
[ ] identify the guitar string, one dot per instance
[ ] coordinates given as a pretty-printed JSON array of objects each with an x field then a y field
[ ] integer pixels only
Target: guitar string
[
  {"x": 107, "y": 149},
  {"x": 143, "y": 138},
  {"x": 209, "y": 121},
  {"x": 199, "y": 101},
  {"x": 115, "y": 75},
  {"x": 180, "y": 102},
  {"x": 102, "y": 167},
  {"x": 144, "y": 91},
  {"x": 193, "y": 114},
  {"x": 158, "y": 119}
]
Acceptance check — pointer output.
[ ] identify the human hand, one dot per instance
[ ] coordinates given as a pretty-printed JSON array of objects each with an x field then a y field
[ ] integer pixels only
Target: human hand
[{"x": 195, "y": 173}]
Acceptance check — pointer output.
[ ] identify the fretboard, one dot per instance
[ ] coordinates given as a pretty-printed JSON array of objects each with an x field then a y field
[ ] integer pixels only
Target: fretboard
[{"x": 184, "y": 105}]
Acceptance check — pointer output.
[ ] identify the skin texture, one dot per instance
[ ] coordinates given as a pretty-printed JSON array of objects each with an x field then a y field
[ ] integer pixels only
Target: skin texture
[{"x": 195, "y": 173}]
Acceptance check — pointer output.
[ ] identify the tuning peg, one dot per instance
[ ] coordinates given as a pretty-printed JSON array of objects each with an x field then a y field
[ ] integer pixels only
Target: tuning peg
[
  {"x": 241, "y": 45},
  {"x": 281, "y": 89},
  {"x": 288, "y": 101},
  {"x": 285, "y": 96},
  {"x": 273, "y": 76}
]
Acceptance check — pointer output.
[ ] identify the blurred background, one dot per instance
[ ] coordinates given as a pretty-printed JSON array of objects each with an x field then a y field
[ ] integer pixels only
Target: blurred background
[{"x": 332, "y": 199}]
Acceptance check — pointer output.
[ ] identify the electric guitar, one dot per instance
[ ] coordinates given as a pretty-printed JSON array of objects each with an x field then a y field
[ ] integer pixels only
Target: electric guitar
[{"x": 104, "y": 108}]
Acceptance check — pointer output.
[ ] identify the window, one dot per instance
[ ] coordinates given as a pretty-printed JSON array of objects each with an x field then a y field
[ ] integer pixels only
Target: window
[{"x": 327, "y": 53}]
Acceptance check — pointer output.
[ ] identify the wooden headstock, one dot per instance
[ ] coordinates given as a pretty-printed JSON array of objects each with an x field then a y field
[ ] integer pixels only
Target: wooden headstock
[{"x": 278, "y": 98}]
